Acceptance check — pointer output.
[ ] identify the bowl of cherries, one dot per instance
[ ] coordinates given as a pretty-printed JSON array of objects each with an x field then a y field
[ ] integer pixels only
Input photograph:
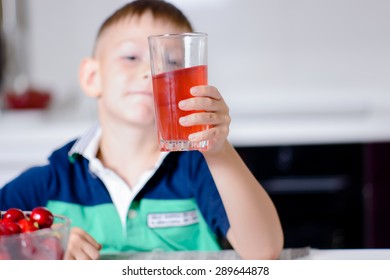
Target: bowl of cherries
[{"x": 33, "y": 235}]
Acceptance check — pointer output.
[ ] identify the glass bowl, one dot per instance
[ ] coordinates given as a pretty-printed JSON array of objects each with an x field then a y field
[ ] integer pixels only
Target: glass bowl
[{"x": 43, "y": 244}]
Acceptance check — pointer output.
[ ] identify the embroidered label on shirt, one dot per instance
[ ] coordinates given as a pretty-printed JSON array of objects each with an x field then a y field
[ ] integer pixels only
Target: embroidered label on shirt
[{"x": 172, "y": 219}]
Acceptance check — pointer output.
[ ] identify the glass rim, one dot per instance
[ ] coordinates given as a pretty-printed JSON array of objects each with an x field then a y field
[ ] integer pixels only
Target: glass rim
[{"x": 179, "y": 35}]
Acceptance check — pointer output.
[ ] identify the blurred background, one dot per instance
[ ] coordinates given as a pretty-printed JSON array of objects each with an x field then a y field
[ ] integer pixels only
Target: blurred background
[{"x": 307, "y": 82}]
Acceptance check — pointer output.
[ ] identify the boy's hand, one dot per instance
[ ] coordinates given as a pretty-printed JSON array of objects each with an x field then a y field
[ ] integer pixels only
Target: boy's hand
[
  {"x": 82, "y": 246},
  {"x": 216, "y": 114}
]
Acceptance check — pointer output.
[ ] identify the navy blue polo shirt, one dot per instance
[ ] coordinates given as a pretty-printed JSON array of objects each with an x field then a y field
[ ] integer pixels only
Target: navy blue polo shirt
[{"x": 179, "y": 208}]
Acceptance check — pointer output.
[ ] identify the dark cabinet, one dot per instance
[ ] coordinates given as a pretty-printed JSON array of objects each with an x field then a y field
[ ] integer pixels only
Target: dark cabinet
[
  {"x": 327, "y": 196},
  {"x": 377, "y": 195}
]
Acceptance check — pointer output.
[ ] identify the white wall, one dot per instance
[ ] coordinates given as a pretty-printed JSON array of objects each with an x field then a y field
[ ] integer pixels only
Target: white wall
[{"x": 265, "y": 56}]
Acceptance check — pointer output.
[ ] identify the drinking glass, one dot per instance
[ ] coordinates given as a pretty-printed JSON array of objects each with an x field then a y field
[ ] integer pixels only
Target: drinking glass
[{"x": 178, "y": 62}]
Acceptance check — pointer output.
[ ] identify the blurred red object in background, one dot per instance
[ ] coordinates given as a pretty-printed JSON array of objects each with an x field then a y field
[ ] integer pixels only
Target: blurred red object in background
[{"x": 29, "y": 99}]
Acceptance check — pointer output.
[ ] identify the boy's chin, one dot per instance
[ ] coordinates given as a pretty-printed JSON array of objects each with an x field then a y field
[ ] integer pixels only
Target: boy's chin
[{"x": 142, "y": 120}]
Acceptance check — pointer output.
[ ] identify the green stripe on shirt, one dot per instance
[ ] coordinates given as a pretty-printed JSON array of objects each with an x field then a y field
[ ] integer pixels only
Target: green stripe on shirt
[{"x": 152, "y": 224}]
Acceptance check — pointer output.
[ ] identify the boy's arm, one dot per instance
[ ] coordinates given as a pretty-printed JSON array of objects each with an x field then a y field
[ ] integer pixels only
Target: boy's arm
[{"x": 255, "y": 230}]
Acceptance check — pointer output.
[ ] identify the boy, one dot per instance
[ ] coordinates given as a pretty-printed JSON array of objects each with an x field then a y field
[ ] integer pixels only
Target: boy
[{"x": 120, "y": 191}]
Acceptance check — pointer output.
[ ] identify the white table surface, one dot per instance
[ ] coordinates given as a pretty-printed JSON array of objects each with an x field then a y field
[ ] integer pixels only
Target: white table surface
[
  {"x": 305, "y": 253},
  {"x": 349, "y": 254}
]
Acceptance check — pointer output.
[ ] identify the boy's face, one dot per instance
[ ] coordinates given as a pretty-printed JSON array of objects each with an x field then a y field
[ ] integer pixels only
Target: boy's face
[{"x": 122, "y": 56}]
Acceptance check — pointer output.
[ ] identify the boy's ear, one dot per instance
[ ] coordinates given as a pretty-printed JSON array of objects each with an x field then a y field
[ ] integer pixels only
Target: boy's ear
[{"x": 89, "y": 77}]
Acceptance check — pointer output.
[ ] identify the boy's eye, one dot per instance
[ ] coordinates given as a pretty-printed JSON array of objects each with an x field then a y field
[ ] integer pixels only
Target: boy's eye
[
  {"x": 131, "y": 58},
  {"x": 172, "y": 62},
  {"x": 175, "y": 62}
]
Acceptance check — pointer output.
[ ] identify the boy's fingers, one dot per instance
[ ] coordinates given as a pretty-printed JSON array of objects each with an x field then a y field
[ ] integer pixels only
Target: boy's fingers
[
  {"x": 205, "y": 118},
  {"x": 91, "y": 252},
  {"x": 89, "y": 239},
  {"x": 86, "y": 237},
  {"x": 202, "y": 103},
  {"x": 209, "y": 91},
  {"x": 212, "y": 133},
  {"x": 82, "y": 246}
]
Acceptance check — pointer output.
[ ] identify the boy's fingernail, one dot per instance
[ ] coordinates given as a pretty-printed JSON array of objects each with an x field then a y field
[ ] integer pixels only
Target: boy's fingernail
[
  {"x": 193, "y": 90},
  {"x": 182, "y": 104},
  {"x": 182, "y": 120}
]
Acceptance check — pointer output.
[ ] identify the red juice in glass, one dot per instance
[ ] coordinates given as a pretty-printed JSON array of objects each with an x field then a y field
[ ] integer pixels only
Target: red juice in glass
[{"x": 169, "y": 89}]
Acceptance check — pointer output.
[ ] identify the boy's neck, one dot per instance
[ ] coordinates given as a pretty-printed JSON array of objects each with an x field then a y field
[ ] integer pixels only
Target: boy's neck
[{"x": 128, "y": 151}]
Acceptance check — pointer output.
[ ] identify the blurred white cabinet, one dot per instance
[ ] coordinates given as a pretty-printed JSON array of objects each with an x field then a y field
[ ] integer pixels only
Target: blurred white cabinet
[{"x": 27, "y": 138}]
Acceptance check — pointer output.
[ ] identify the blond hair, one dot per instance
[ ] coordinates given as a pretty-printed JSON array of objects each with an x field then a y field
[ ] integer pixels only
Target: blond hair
[{"x": 160, "y": 10}]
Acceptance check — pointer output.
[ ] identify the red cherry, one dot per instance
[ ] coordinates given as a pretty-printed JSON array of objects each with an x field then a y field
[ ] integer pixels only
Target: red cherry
[
  {"x": 3, "y": 229},
  {"x": 10, "y": 227},
  {"x": 28, "y": 225},
  {"x": 13, "y": 214},
  {"x": 42, "y": 216}
]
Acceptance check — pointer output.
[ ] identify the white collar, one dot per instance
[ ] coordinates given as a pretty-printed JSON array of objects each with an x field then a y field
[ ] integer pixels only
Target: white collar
[{"x": 121, "y": 194}]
